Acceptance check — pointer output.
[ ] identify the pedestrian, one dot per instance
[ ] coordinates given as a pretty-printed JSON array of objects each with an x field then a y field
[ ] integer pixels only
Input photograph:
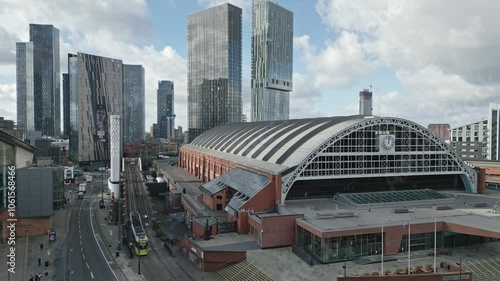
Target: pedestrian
[
  {"x": 46, "y": 272},
  {"x": 31, "y": 278},
  {"x": 41, "y": 246},
  {"x": 39, "y": 277}
]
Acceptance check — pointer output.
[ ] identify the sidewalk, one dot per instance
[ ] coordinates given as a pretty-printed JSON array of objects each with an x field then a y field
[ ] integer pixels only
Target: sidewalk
[
  {"x": 109, "y": 241},
  {"x": 28, "y": 251}
]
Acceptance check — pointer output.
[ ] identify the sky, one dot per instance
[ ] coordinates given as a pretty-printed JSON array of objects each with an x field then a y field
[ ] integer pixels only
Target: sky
[{"x": 427, "y": 61}]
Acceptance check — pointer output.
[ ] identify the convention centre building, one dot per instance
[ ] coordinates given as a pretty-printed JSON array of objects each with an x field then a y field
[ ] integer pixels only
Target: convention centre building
[{"x": 339, "y": 188}]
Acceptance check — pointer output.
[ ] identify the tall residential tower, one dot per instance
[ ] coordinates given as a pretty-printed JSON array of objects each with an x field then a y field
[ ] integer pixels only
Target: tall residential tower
[
  {"x": 134, "y": 103},
  {"x": 272, "y": 61},
  {"x": 214, "y": 68},
  {"x": 165, "y": 110},
  {"x": 38, "y": 81},
  {"x": 365, "y": 102},
  {"x": 96, "y": 93}
]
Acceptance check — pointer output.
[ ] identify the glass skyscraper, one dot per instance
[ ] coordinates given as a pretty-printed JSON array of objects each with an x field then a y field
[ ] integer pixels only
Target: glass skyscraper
[
  {"x": 134, "y": 106},
  {"x": 96, "y": 92},
  {"x": 272, "y": 61},
  {"x": 24, "y": 84},
  {"x": 165, "y": 110},
  {"x": 39, "y": 72},
  {"x": 214, "y": 68},
  {"x": 66, "y": 116}
]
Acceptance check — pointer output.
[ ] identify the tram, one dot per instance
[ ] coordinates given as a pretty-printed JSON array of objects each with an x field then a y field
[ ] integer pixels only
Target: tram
[{"x": 139, "y": 235}]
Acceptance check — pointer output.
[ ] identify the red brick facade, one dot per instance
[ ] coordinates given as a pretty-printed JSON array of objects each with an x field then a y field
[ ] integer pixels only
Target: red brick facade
[
  {"x": 25, "y": 226},
  {"x": 210, "y": 260}
]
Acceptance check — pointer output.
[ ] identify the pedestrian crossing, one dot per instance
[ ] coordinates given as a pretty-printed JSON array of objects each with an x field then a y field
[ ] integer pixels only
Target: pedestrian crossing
[{"x": 244, "y": 271}]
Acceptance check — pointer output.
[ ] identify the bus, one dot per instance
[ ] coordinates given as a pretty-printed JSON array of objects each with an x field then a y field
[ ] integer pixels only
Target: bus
[{"x": 138, "y": 234}]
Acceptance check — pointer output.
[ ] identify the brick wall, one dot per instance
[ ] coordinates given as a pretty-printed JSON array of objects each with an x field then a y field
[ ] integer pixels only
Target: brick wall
[
  {"x": 210, "y": 261},
  {"x": 278, "y": 231},
  {"x": 24, "y": 226}
]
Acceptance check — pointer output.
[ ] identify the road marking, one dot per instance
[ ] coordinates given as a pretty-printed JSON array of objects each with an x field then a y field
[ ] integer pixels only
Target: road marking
[
  {"x": 83, "y": 256},
  {"x": 87, "y": 265},
  {"x": 95, "y": 237},
  {"x": 81, "y": 242},
  {"x": 91, "y": 275},
  {"x": 81, "y": 249},
  {"x": 80, "y": 237},
  {"x": 110, "y": 232}
]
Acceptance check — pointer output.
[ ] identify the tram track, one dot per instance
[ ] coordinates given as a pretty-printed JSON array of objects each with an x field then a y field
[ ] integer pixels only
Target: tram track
[{"x": 156, "y": 260}]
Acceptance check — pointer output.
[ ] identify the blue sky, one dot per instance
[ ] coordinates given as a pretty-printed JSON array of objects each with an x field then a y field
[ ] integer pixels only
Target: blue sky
[{"x": 427, "y": 61}]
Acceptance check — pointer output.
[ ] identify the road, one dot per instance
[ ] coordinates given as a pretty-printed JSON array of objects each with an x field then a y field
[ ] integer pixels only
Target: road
[{"x": 85, "y": 260}]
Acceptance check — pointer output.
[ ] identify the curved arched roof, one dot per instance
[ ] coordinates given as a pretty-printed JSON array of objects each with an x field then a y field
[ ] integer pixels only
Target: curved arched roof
[{"x": 285, "y": 143}]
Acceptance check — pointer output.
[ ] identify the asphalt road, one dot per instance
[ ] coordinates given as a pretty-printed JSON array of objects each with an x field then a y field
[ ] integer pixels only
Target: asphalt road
[{"x": 84, "y": 258}]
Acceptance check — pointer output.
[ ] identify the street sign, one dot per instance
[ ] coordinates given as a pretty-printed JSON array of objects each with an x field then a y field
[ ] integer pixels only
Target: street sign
[{"x": 52, "y": 236}]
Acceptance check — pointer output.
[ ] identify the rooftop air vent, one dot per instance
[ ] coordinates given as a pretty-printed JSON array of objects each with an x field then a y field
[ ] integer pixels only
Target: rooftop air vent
[
  {"x": 345, "y": 215},
  {"x": 443, "y": 207},
  {"x": 400, "y": 211}
]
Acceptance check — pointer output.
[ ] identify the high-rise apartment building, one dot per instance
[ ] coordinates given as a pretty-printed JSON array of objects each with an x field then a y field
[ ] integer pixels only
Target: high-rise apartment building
[
  {"x": 470, "y": 141},
  {"x": 165, "y": 110},
  {"x": 272, "y": 61},
  {"x": 39, "y": 72},
  {"x": 214, "y": 68},
  {"x": 365, "y": 102},
  {"x": 66, "y": 111},
  {"x": 494, "y": 132},
  {"x": 134, "y": 103},
  {"x": 96, "y": 93}
]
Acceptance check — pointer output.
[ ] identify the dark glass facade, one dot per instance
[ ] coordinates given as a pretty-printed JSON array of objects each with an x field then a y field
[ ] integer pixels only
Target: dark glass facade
[
  {"x": 24, "y": 87},
  {"x": 73, "y": 107},
  {"x": 214, "y": 68},
  {"x": 272, "y": 61},
  {"x": 66, "y": 111},
  {"x": 336, "y": 249},
  {"x": 96, "y": 92},
  {"x": 165, "y": 109},
  {"x": 134, "y": 106},
  {"x": 46, "y": 77}
]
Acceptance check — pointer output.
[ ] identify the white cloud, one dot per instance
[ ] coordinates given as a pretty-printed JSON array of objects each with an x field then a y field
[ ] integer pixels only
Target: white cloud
[
  {"x": 8, "y": 96},
  {"x": 442, "y": 53},
  {"x": 303, "y": 98},
  {"x": 111, "y": 28},
  {"x": 338, "y": 62}
]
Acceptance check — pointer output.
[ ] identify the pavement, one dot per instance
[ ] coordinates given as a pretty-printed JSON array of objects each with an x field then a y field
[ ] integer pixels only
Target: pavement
[
  {"x": 107, "y": 236},
  {"x": 28, "y": 251}
]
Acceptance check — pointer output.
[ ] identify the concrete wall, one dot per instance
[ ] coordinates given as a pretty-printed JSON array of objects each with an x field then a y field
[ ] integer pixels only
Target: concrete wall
[
  {"x": 417, "y": 277},
  {"x": 24, "y": 158},
  {"x": 34, "y": 192}
]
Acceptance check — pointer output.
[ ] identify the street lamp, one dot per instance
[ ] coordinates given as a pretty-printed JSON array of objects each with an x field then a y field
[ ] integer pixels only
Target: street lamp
[
  {"x": 139, "y": 263},
  {"x": 102, "y": 187},
  {"x": 345, "y": 269},
  {"x": 460, "y": 265}
]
